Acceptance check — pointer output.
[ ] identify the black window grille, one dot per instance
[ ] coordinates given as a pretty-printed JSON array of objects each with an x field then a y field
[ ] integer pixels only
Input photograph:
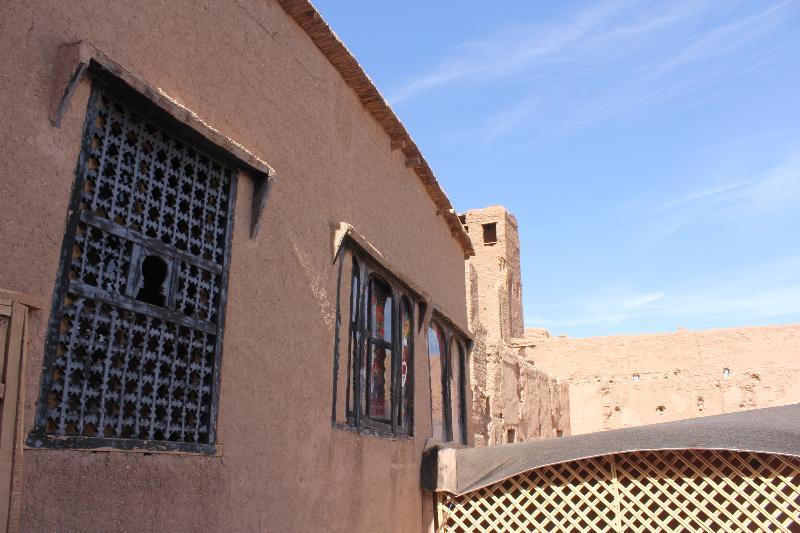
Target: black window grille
[
  {"x": 380, "y": 351},
  {"x": 133, "y": 354}
]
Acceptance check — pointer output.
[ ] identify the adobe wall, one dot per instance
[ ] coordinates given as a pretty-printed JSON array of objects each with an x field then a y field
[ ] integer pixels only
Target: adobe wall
[
  {"x": 534, "y": 405},
  {"x": 250, "y": 71},
  {"x": 512, "y": 400},
  {"x": 631, "y": 380},
  {"x": 497, "y": 272}
]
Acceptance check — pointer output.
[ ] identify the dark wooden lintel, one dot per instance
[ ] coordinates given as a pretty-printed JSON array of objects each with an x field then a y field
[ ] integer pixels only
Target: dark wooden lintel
[
  {"x": 74, "y": 60},
  {"x": 260, "y": 195}
]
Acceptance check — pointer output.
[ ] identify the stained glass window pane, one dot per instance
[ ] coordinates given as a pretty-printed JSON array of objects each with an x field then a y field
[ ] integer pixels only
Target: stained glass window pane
[
  {"x": 381, "y": 311},
  {"x": 406, "y": 365},
  {"x": 380, "y": 369},
  {"x": 379, "y": 355}
]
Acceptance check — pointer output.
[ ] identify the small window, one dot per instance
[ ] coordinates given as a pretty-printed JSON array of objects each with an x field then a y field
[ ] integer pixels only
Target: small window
[
  {"x": 490, "y": 233},
  {"x": 447, "y": 358},
  {"x": 511, "y": 436},
  {"x": 380, "y": 351},
  {"x": 463, "y": 219}
]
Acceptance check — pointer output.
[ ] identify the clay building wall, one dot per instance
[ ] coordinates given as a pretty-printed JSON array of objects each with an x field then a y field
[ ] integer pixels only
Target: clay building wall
[
  {"x": 631, "y": 380},
  {"x": 250, "y": 71},
  {"x": 512, "y": 400},
  {"x": 534, "y": 405}
]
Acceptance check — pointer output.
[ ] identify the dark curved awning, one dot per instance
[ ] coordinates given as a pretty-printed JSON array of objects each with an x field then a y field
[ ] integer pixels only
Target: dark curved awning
[{"x": 460, "y": 470}]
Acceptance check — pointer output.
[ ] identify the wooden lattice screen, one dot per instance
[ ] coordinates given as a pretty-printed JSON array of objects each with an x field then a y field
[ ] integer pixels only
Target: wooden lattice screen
[{"x": 671, "y": 490}]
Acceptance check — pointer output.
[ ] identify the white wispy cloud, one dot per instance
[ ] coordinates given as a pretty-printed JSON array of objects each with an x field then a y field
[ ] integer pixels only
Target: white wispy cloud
[
  {"x": 507, "y": 53},
  {"x": 707, "y": 194},
  {"x": 755, "y": 294},
  {"x": 610, "y": 59},
  {"x": 771, "y": 191},
  {"x": 642, "y": 300},
  {"x": 722, "y": 39},
  {"x": 761, "y": 196},
  {"x": 775, "y": 191}
]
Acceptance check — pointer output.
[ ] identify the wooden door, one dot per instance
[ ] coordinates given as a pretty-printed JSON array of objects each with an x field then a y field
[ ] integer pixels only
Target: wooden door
[{"x": 13, "y": 340}]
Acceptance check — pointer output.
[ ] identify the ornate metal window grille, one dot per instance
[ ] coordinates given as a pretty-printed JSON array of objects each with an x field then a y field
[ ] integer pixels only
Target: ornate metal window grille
[
  {"x": 133, "y": 355},
  {"x": 380, "y": 350}
]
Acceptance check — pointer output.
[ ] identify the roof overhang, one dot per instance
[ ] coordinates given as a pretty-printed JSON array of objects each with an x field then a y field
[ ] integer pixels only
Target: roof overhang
[
  {"x": 321, "y": 34},
  {"x": 458, "y": 470}
]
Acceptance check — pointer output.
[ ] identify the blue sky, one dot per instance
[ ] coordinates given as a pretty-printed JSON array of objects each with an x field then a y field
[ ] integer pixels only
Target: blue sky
[{"x": 649, "y": 150}]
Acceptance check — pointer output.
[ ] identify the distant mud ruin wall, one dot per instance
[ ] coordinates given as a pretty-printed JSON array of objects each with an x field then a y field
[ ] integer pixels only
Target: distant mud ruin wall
[
  {"x": 632, "y": 380},
  {"x": 527, "y": 384},
  {"x": 512, "y": 400}
]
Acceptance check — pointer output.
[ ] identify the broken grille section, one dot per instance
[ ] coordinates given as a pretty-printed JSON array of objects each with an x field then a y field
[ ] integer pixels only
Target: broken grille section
[{"x": 135, "y": 338}]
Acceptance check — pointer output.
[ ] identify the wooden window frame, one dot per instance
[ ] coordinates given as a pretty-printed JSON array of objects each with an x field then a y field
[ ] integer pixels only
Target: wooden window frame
[
  {"x": 451, "y": 336},
  {"x": 364, "y": 273},
  {"x": 371, "y": 342},
  {"x": 405, "y": 419},
  {"x": 462, "y": 384},
  {"x": 444, "y": 341}
]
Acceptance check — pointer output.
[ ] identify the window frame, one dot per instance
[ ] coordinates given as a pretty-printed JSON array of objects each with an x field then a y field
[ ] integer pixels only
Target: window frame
[
  {"x": 371, "y": 342},
  {"x": 489, "y": 233},
  {"x": 462, "y": 385},
  {"x": 443, "y": 341},
  {"x": 405, "y": 419},
  {"x": 39, "y": 438},
  {"x": 452, "y": 336},
  {"x": 365, "y": 271}
]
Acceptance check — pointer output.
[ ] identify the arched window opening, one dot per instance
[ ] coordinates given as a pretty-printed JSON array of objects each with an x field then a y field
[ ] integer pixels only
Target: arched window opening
[
  {"x": 447, "y": 355},
  {"x": 436, "y": 356},
  {"x": 455, "y": 381},
  {"x": 379, "y": 352},
  {"x": 379, "y": 388},
  {"x": 406, "y": 412},
  {"x": 354, "y": 338}
]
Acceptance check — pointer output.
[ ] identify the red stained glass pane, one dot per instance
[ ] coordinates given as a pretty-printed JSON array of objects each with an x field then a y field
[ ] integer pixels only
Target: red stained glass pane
[
  {"x": 406, "y": 363},
  {"x": 379, "y": 364},
  {"x": 381, "y": 312},
  {"x": 380, "y": 378}
]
